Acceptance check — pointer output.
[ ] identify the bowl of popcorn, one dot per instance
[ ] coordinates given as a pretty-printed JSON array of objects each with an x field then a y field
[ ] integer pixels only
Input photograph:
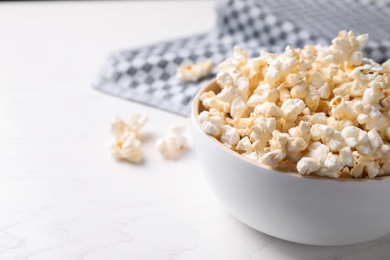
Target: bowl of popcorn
[{"x": 297, "y": 145}]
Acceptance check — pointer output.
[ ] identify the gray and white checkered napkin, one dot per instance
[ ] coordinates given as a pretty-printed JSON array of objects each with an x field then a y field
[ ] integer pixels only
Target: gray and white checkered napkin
[{"x": 147, "y": 74}]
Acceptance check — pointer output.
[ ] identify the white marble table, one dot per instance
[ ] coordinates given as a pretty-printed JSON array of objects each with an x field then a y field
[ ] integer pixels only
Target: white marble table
[{"x": 62, "y": 196}]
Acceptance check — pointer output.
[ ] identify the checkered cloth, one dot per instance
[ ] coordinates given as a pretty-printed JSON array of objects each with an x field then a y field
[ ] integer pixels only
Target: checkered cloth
[{"x": 147, "y": 74}]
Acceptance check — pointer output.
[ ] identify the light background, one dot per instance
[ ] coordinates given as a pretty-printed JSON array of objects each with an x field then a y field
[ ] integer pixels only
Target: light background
[{"x": 62, "y": 196}]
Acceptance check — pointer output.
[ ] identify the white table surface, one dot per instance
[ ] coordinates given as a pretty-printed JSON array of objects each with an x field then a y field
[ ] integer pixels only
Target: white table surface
[{"x": 62, "y": 195}]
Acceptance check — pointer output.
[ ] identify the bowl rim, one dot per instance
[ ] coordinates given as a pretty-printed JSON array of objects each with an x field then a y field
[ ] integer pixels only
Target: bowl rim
[{"x": 196, "y": 104}]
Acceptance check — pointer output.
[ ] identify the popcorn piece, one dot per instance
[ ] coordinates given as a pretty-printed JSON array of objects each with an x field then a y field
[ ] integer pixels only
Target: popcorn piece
[
  {"x": 238, "y": 108},
  {"x": 345, "y": 173},
  {"x": 318, "y": 152},
  {"x": 328, "y": 135},
  {"x": 318, "y": 118},
  {"x": 346, "y": 157},
  {"x": 211, "y": 129},
  {"x": 339, "y": 125},
  {"x": 174, "y": 143},
  {"x": 298, "y": 142},
  {"x": 367, "y": 144},
  {"x": 128, "y": 143},
  {"x": 368, "y": 115},
  {"x": 269, "y": 110},
  {"x": 312, "y": 100},
  {"x": 308, "y": 165},
  {"x": 300, "y": 90},
  {"x": 278, "y": 149},
  {"x": 292, "y": 108},
  {"x": 212, "y": 122},
  {"x": 331, "y": 167},
  {"x": 128, "y": 147},
  {"x": 284, "y": 94},
  {"x": 118, "y": 127},
  {"x": 132, "y": 125},
  {"x": 346, "y": 47},
  {"x": 230, "y": 136},
  {"x": 194, "y": 72},
  {"x": 210, "y": 101},
  {"x": 363, "y": 163},
  {"x": 136, "y": 122},
  {"x": 245, "y": 146},
  {"x": 341, "y": 109},
  {"x": 263, "y": 93},
  {"x": 262, "y": 132}
]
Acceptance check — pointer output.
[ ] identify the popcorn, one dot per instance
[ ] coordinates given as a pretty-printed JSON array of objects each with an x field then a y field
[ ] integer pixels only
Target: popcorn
[
  {"x": 210, "y": 101},
  {"x": 174, "y": 143},
  {"x": 364, "y": 163},
  {"x": 262, "y": 132},
  {"x": 298, "y": 142},
  {"x": 245, "y": 146},
  {"x": 263, "y": 93},
  {"x": 331, "y": 166},
  {"x": 278, "y": 145},
  {"x": 128, "y": 147},
  {"x": 292, "y": 108},
  {"x": 194, "y": 72},
  {"x": 308, "y": 165},
  {"x": 212, "y": 121},
  {"x": 321, "y": 110},
  {"x": 230, "y": 136},
  {"x": 318, "y": 152},
  {"x": 269, "y": 110},
  {"x": 128, "y": 143},
  {"x": 346, "y": 156},
  {"x": 238, "y": 108}
]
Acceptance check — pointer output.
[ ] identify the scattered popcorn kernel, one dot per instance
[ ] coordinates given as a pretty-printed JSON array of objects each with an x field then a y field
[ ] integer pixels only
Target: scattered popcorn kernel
[
  {"x": 194, "y": 72},
  {"x": 128, "y": 144},
  {"x": 320, "y": 110},
  {"x": 174, "y": 143},
  {"x": 128, "y": 148}
]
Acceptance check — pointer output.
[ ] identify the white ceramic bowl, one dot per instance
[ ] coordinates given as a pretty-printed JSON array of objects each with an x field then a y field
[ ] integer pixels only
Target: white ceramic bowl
[{"x": 303, "y": 209}]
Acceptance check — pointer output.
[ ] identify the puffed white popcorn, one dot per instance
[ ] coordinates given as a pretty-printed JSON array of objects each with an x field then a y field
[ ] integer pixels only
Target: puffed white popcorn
[
  {"x": 308, "y": 165},
  {"x": 244, "y": 146},
  {"x": 321, "y": 132},
  {"x": 269, "y": 110},
  {"x": 317, "y": 151},
  {"x": 212, "y": 121},
  {"x": 319, "y": 110},
  {"x": 332, "y": 166},
  {"x": 136, "y": 122},
  {"x": 128, "y": 148},
  {"x": 346, "y": 156},
  {"x": 211, "y": 129},
  {"x": 128, "y": 142},
  {"x": 210, "y": 101},
  {"x": 230, "y": 136},
  {"x": 174, "y": 143},
  {"x": 262, "y": 131},
  {"x": 263, "y": 93},
  {"x": 238, "y": 107},
  {"x": 292, "y": 108},
  {"x": 133, "y": 125},
  {"x": 278, "y": 145},
  {"x": 194, "y": 72}
]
